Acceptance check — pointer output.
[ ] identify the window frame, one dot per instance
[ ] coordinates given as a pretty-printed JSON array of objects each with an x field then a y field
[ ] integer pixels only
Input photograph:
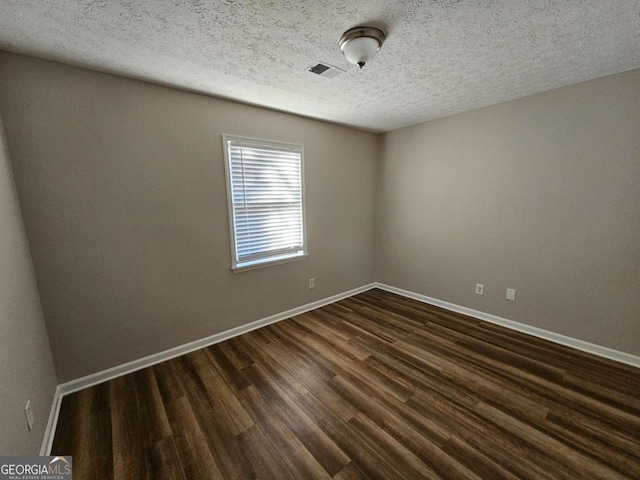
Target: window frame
[{"x": 276, "y": 259}]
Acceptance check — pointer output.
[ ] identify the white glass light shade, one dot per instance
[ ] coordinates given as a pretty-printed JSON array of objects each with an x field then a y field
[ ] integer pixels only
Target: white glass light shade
[
  {"x": 360, "y": 44},
  {"x": 360, "y": 50}
]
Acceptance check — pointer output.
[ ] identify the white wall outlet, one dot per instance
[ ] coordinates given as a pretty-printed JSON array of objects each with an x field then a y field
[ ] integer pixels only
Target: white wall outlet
[
  {"x": 312, "y": 282},
  {"x": 511, "y": 294},
  {"x": 479, "y": 289},
  {"x": 29, "y": 414}
]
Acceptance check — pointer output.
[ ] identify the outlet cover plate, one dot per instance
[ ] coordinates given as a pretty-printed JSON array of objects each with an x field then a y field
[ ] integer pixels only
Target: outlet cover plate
[
  {"x": 479, "y": 289},
  {"x": 511, "y": 294},
  {"x": 28, "y": 413}
]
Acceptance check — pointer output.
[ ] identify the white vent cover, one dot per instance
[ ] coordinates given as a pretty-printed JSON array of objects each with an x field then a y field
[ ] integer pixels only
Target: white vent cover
[{"x": 325, "y": 70}]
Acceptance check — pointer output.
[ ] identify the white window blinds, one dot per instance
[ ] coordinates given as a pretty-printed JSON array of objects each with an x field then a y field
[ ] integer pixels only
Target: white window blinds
[{"x": 266, "y": 200}]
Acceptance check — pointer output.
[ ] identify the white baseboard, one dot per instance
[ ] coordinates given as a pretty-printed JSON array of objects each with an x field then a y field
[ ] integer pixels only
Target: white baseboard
[
  {"x": 135, "y": 365},
  {"x": 50, "y": 430},
  {"x": 601, "y": 351},
  {"x": 139, "y": 364}
]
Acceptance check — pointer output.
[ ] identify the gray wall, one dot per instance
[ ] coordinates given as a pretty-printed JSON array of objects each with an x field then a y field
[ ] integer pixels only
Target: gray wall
[
  {"x": 540, "y": 194},
  {"x": 26, "y": 365},
  {"x": 123, "y": 194}
]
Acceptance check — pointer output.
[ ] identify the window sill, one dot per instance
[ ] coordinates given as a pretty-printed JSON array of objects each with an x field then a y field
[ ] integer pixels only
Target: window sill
[{"x": 269, "y": 263}]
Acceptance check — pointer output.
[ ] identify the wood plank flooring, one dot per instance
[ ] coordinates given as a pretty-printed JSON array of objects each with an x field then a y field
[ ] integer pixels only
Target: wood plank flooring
[{"x": 375, "y": 386}]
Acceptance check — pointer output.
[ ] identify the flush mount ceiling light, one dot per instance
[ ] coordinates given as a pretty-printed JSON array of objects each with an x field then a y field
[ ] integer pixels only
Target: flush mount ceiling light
[{"x": 360, "y": 44}]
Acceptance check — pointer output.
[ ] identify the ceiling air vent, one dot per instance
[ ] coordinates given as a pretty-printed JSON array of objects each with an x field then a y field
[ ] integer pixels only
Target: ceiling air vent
[{"x": 325, "y": 70}]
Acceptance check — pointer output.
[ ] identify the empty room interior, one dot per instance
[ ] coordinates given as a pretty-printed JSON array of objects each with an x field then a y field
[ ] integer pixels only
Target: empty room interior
[{"x": 319, "y": 239}]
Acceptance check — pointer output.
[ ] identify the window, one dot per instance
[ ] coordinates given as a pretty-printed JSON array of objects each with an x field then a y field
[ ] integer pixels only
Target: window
[{"x": 265, "y": 190}]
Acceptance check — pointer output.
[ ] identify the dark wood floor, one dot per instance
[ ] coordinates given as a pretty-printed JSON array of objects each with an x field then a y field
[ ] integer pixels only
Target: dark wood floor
[{"x": 374, "y": 386}]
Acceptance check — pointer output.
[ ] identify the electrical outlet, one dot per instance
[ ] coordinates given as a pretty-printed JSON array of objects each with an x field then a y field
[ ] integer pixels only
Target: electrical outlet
[
  {"x": 312, "y": 282},
  {"x": 511, "y": 294},
  {"x": 29, "y": 414},
  {"x": 479, "y": 289}
]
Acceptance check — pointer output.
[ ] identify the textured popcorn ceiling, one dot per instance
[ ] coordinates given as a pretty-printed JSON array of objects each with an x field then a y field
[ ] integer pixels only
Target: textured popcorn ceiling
[{"x": 441, "y": 56}]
